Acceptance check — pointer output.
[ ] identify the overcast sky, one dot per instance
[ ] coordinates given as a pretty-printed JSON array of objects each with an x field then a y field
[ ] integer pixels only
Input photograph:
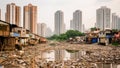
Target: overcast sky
[{"x": 47, "y": 8}]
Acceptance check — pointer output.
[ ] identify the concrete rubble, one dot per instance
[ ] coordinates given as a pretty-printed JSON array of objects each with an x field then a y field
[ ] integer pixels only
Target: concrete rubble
[{"x": 31, "y": 57}]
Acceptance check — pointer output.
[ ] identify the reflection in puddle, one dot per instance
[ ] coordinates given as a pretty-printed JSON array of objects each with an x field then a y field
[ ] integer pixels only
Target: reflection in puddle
[
  {"x": 62, "y": 55},
  {"x": 76, "y": 56}
]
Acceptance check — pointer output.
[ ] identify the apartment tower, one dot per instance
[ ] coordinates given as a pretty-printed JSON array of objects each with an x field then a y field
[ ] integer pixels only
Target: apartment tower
[
  {"x": 30, "y": 18},
  {"x": 103, "y": 18},
  {"x": 12, "y": 14},
  {"x": 59, "y": 22},
  {"x": 41, "y": 29},
  {"x": 77, "y": 20}
]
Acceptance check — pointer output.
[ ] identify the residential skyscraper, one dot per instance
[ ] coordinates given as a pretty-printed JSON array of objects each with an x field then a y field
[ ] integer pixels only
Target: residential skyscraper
[
  {"x": 103, "y": 17},
  {"x": 114, "y": 21},
  {"x": 49, "y": 32},
  {"x": 59, "y": 22},
  {"x": 118, "y": 23},
  {"x": 12, "y": 14},
  {"x": 30, "y": 18},
  {"x": 77, "y": 20},
  {"x": 41, "y": 29}
]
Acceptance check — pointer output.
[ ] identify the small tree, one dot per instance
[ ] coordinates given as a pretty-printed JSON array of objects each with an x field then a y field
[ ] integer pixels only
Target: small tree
[
  {"x": 67, "y": 35},
  {"x": 93, "y": 29},
  {"x": 53, "y": 37},
  {"x": 73, "y": 33}
]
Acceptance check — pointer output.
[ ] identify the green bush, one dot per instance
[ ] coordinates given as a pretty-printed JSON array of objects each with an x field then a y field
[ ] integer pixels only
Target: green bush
[
  {"x": 115, "y": 43},
  {"x": 67, "y": 35}
]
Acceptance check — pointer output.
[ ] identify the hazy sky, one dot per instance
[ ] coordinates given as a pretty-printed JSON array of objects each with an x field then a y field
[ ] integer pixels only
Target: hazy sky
[{"x": 47, "y": 8}]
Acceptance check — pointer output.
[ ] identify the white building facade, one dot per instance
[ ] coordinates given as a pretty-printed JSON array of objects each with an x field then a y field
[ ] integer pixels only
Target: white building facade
[
  {"x": 41, "y": 29},
  {"x": 103, "y": 18},
  {"x": 76, "y": 24},
  {"x": 59, "y": 22},
  {"x": 114, "y": 21}
]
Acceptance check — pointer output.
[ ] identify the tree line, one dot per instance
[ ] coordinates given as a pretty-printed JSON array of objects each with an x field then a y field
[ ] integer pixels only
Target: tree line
[{"x": 67, "y": 35}]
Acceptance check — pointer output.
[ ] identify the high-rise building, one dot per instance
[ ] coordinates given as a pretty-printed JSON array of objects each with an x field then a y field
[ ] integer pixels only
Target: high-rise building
[
  {"x": 30, "y": 18},
  {"x": 77, "y": 20},
  {"x": 59, "y": 55},
  {"x": 59, "y": 22},
  {"x": 118, "y": 23},
  {"x": 12, "y": 14},
  {"x": 18, "y": 16},
  {"x": 103, "y": 17},
  {"x": 114, "y": 21},
  {"x": 49, "y": 32},
  {"x": 41, "y": 29}
]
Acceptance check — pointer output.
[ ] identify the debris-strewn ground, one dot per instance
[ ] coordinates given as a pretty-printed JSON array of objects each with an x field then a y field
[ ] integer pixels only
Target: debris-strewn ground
[{"x": 31, "y": 56}]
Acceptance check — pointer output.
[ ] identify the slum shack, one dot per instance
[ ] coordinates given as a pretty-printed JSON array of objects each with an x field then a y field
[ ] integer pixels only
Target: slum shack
[
  {"x": 23, "y": 35},
  {"x": 32, "y": 40},
  {"x": 105, "y": 37},
  {"x": 4, "y": 33},
  {"x": 116, "y": 38},
  {"x": 7, "y": 42},
  {"x": 91, "y": 37},
  {"x": 5, "y": 39}
]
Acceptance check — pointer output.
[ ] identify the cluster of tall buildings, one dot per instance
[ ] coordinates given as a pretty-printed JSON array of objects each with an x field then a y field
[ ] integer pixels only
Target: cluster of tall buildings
[
  {"x": 75, "y": 24},
  {"x": 43, "y": 30},
  {"x": 61, "y": 55},
  {"x": 106, "y": 20},
  {"x": 115, "y": 21},
  {"x": 13, "y": 16}
]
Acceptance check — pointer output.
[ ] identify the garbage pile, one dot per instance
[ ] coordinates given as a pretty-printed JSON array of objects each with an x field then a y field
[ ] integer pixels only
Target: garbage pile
[{"x": 31, "y": 57}]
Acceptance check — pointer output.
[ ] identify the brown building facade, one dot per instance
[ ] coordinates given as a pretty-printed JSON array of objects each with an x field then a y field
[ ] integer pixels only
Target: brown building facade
[
  {"x": 13, "y": 14},
  {"x": 30, "y": 18}
]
